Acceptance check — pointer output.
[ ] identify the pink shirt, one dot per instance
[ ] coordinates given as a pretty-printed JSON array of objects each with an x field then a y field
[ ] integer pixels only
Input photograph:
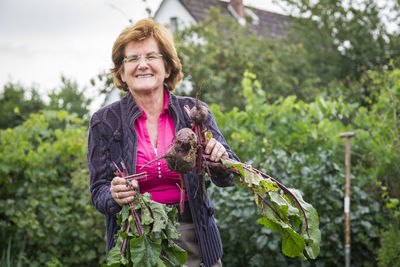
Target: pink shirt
[{"x": 161, "y": 182}]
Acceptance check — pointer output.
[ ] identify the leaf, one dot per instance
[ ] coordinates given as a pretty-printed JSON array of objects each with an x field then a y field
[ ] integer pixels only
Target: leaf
[
  {"x": 248, "y": 178},
  {"x": 269, "y": 224},
  {"x": 209, "y": 134},
  {"x": 62, "y": 114},
  {"x": 124, "y": 213},
  {"x": 146, "y": 216},
  {"x": 285, "y": 207},
  {"x": 145, "y": 251},
  {"x": 114, "y": 256},
  {"x": 281, "y": 213},
  {"x": 270, "y": 185},
  {"x": 173, "y": 252},
  {"x": 313, "y": 236},
  {"x": 160, "y": 217},
  {"x": 171, "y": 231},
  {"x": 292, "y": 243}
]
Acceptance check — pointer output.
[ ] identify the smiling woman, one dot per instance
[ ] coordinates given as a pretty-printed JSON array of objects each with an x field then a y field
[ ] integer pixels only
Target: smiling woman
[
  {"x": 143, "y": 125},
  {"x": 146, "y": 73}
]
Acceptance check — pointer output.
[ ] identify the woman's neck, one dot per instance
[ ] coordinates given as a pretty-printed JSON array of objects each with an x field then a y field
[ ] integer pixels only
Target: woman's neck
[{"x": 151, "y": 102}]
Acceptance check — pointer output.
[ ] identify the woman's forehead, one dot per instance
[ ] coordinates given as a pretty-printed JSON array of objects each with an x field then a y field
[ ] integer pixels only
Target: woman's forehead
[{"x": 144, "y": 46}]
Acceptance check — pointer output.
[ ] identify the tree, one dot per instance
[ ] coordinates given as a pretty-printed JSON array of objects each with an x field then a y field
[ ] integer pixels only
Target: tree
[
  {"x": 68, "y": 97},
  {"x": 344, "y": 39},
  {"x": 216, "y": 53},
  {"x": 16, "y": 103}
]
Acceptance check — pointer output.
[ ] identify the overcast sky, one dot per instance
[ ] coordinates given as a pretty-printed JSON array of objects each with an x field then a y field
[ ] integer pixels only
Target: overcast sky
[{"x": 42, "y": 39}]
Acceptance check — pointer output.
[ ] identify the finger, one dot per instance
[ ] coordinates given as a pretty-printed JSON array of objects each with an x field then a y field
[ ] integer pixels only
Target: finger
[
  {"x": 127, "y": 200},
  {"x": 217, "y": 148},
  {"x": 122, "y": 188},
  {"x": 118, "y": 180},
  {"x": 210, "y": 145},
  {"x": 121, "y": 196},
  {"x": 132, "y": 184},
  {"x": 219, "y": 154}
]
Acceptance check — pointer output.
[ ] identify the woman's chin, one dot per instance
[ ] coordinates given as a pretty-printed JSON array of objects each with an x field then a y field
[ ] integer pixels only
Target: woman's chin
[{"x": 143, "y": 89}]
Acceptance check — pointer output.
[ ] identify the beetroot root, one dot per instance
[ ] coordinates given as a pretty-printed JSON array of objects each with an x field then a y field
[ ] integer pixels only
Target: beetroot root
[
  {"x": 181, "y": 157},
  {"x": 199, "y": 113},
  {"x": 180, "y": 161}
]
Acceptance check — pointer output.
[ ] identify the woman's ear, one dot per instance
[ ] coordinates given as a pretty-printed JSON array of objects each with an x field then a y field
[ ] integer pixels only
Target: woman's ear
[
  {"x": 167, "y": 73},
  {"x": 122, "y": 74}
]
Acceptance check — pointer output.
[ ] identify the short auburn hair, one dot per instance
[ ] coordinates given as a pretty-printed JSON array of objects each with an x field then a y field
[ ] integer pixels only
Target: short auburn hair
[{"x": 143, "y": 29}]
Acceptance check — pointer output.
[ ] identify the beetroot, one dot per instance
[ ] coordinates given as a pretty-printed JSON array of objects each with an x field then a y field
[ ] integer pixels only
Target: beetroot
[
  {"x": 181, "y": 157},
  {"x": 185, "y": 140},
  {"x": 198, "y": 113}
]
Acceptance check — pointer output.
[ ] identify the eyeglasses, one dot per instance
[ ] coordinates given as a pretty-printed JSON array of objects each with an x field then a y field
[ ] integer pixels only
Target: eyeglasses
[{"x": 135, "y": 58}]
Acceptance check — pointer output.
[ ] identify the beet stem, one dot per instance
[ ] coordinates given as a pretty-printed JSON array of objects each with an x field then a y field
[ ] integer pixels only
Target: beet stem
[
  {"x": 269, "y": 205},
  {"x": 287, "y": 191},
  {"x": 284, "y": 188},
  {"x": 154, "y": 160},
  {"x": 128, "y": 228},
  {"x": 187, "y": 109},
  {"x": 182, "y": 190}
]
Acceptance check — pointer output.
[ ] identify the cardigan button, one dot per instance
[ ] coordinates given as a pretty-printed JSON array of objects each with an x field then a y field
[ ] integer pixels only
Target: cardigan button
[
  {"x": 117, "y": 136},
  {"x": 210, "y": 211}
]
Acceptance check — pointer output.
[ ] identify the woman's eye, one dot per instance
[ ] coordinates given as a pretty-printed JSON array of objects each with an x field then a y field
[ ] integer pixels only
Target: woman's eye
[
  {"x": 133, "y": 59},
  {"x": 151, "y": 56}
]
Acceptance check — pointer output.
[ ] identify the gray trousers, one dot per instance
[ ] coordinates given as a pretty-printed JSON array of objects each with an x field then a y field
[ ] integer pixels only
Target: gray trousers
[{"x": 188, "y": 241}]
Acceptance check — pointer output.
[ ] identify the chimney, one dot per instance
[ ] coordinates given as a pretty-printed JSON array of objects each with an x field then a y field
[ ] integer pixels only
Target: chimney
[{"x": 238, "y": 7}]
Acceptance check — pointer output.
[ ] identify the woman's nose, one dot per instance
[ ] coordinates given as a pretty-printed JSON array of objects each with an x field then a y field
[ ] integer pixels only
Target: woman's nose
[{"x": 142, "y": 63}]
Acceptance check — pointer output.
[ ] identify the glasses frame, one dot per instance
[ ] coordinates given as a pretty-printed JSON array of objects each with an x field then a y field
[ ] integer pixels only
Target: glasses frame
[{"x": 134, "y": 59}]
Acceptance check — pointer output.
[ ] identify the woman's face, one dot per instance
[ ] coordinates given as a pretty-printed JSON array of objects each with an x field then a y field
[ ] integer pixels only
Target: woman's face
[{"x": 147, "y": 73}]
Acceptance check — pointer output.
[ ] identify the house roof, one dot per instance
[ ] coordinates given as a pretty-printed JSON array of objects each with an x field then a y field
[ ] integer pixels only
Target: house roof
[{"x": 273, "y": 22}]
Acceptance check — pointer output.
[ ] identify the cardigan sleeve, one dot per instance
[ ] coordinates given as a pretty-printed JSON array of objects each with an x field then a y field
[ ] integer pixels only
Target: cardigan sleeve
[{"x": 100, "y": 166}]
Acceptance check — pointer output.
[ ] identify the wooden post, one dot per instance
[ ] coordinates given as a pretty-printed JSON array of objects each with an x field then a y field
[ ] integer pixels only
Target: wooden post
[{"x": 347, "y": 135}]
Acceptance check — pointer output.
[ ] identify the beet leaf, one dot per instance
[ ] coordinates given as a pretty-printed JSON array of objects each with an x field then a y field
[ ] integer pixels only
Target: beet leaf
[{"x": 283, "y": 210}]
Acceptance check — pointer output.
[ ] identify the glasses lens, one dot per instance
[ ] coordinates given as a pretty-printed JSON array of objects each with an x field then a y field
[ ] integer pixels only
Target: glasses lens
[
  {"x": 152, "y": 56},
  {"x": 132, "y": 59},
  {"x": 136, "y": 58}
]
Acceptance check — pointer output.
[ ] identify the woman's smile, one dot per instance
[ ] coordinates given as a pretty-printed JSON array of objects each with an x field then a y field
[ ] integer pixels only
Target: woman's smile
[{"x": 141, "y": 76}]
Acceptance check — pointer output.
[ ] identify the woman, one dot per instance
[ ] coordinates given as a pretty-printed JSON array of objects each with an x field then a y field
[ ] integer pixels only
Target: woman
[{"x": 139, "y": 127}]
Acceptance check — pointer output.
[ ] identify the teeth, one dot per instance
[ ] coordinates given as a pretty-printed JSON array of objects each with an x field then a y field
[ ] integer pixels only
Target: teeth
[{"x": 144, "y": 76}]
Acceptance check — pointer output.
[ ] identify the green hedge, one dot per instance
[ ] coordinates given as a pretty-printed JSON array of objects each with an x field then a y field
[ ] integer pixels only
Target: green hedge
[
  {"x": 298, "y": 143},
  {"x": 46, "y": 214}
]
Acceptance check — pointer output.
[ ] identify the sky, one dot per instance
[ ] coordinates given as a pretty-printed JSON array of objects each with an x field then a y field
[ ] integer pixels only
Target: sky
[{"x": 41, "y": 40}]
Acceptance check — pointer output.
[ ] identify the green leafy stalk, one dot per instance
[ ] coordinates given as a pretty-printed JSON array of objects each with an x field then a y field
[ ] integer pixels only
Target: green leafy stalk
[
  {"x": 287, "y": 212},
  {"x": 152, "y": 247},
  {"x": 147, "y": 231}
]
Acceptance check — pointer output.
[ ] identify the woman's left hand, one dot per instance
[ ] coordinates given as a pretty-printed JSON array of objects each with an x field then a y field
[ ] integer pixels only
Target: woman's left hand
[{"x": 216, "y": 150}]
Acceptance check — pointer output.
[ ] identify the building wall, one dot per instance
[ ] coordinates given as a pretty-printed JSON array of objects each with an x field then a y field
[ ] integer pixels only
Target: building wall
[{"x": 170, "y": 9}]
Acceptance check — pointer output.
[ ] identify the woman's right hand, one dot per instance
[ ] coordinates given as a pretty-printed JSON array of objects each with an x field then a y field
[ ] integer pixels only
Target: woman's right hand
[{"x": 121, "y": 192}]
